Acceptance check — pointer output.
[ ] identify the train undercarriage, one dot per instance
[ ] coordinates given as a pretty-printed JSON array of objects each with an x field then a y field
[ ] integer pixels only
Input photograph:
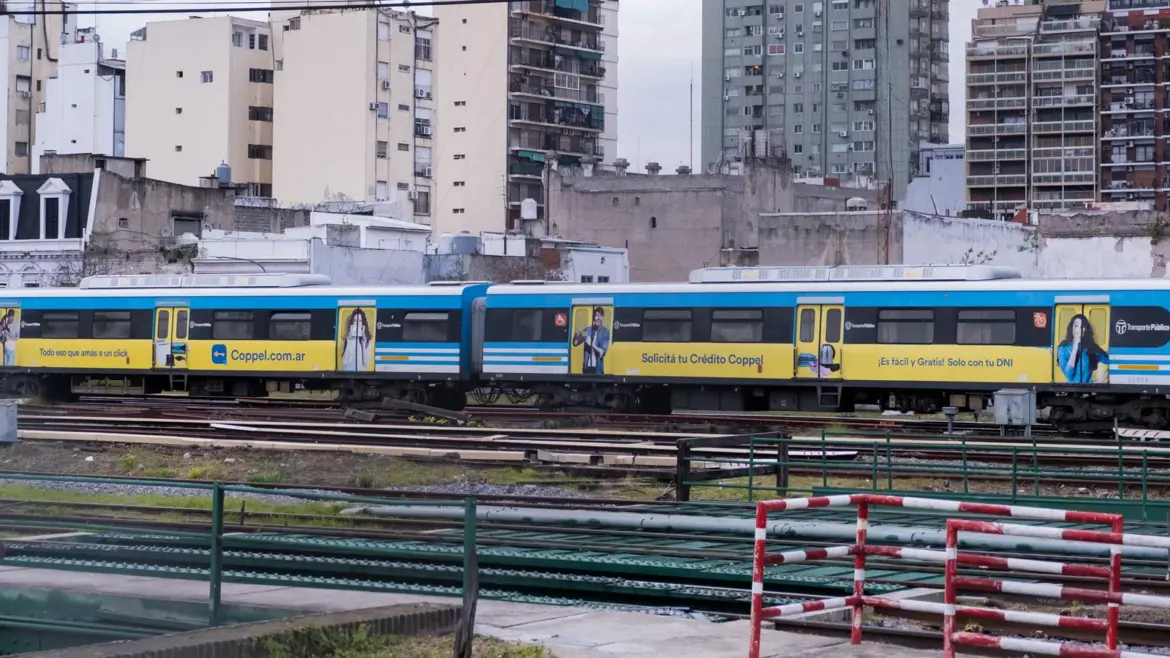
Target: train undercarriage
[{"x": 1070, "y": 412}]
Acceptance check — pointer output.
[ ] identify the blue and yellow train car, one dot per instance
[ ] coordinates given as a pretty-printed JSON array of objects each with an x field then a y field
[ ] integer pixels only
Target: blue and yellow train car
[
  {"x": 915, "y": 338},
  {"x": 240, "y": 336}
]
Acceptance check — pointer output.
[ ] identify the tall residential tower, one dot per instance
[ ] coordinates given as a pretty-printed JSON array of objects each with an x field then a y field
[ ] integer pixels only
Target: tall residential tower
[
  {"x": 524, "y": 83},
  {"x": 848, "y": 89}
]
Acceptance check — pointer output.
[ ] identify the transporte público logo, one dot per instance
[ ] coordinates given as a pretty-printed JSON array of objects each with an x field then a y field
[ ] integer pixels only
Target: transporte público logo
[{"x": 220, "y": 355}]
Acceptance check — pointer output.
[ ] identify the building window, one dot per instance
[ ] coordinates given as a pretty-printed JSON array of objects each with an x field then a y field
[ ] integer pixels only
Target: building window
[
  {"x": 383, "y": 31},
  {"x": 383, "y": 110},
  {"x": 23, "y": 53},
  {"x": 383, "y": 69},
  {"x": 460, "y": 129},
  {"x": 251, "y": 41},
  {"x": 422, "y": 200},
  {"x": 178, "y": 74},
  {"x": 422, "y": 48},
  {"x": 404, "y": 186},
  {"x": 586, "y": 278},
  {"x": 294, "y": 23},
  {"x": 260, "y": 151},
  {"x": 403, "y": 146},
  {"x": 23, "y": 84},
  {"x": 10, "y": 196},
  {"x": 238, "y": 39},
  {"x": 260, "y": 190},
  {"x": 458, "y": 211},
  {"x": 183, "y": 224},
  {"x": 602, "y": 279},
  {"x": 403, "y": 28},
  {"x": 460, "y": 156},
  {"x": 259, "y": 113},
  {"x": 460, "y": 183},
  {"x": 381, "y": 149},
  {"x": 22, "y": 117},
  {"x": 260, "y": 75},
  {"x": 403, "y": 108},
  {"x": 178, "y": 110},
  {"x": 54, "y": 194},
  {"x": 460, "y": 103},
  {"x": 207, "y": 76},
  {"x": 262, "y": 42},
  {"x": 381, "y": 190},
  {"x": 403, "y": 68},
  {"x": 280, "y": 65},
  {"x": 21, "y": 149}
]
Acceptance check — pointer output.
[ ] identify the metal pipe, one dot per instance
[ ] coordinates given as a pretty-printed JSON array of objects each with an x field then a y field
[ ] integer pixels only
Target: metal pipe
[{"x": 845, "y": 533}]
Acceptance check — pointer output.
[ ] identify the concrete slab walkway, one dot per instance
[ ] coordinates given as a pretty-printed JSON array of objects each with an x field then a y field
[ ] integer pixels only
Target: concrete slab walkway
[{"x": 567, "y": 632}]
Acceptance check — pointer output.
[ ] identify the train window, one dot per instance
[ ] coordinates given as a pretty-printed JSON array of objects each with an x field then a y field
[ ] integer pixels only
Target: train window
[
  {"x": 808, "y": 325},
  {"x": 181, "y": 324},
  {"x": 232, "y": 325},
  {"x": 111, "y": 324},
  {"x": 163, "y": 327},
  {"x": 833, "y": 325},
  {"x": 59, "y": 324},
  {"x": 666, "y": 326},
  {"x": 737, "y": 326},
  {"x": 987, "y": 327},
  {"x": 290, "y": 326},
  {"x": 906, "y": 327},
  {"x": 526, "y": 325},
  {"x": 425, "y": 327}
]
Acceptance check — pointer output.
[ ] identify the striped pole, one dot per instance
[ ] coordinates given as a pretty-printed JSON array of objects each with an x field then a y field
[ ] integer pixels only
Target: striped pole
[
  {"x": 859, "y": 572},
  {"x": 1008, "y": 564},
  {"x": 1043, "y": 648},
  {"x": 949, "y": 587},
  {"x": 1050, "y": 591},
  {"x": 810, "y": 606},
  {"x": 788, "y": 557},
  {"x": 1113, "y": 615},
  {"x": 758, "y": 580}
]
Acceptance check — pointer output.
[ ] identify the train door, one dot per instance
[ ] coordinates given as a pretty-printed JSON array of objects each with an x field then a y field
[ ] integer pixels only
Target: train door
[
  {"x": 1081, "y": 338},
  {"x": 819, "y": 339},
  {"x": 171, "y": 324},
  {"x": 356, "y": 327},
  {"x": 589, "y": 338}
]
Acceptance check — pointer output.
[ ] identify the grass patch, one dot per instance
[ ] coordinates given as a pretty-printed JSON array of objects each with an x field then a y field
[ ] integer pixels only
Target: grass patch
[{"x": 317, "y": 643}]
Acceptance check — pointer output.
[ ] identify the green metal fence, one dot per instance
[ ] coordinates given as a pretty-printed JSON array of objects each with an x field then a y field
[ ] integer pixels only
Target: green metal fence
[
  {"x": 764, "y": 466},
  {"x": 218, "y": 541}
]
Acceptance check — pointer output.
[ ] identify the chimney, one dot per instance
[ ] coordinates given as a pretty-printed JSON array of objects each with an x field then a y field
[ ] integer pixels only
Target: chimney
[
  {"x": 621, "y": 164},
  {"x": 653, "y": 168},
  {"x": 683, "y": 170}
]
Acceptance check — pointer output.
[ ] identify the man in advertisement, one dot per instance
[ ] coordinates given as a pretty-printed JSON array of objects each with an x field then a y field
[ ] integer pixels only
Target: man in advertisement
[{"x": 594, "y": 342}]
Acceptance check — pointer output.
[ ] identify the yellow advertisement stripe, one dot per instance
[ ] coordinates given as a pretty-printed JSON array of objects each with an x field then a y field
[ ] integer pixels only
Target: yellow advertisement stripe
[
  {"x": 549, "y": 359},
  {"x": 1135, "y": 366}
]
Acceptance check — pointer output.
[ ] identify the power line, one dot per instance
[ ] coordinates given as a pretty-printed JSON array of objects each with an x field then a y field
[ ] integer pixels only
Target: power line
[{"x": 189, "y": 9}]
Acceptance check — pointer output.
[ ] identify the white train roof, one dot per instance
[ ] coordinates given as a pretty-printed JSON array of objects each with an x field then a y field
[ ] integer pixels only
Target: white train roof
[{"x": 355, "y": 292}]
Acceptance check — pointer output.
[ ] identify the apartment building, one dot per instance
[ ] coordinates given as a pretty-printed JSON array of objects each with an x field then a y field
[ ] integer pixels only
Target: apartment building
[
  {"x": 849, "y": 89},
  {"x": 85, "y": 102},
  {"x": 31, "y": 44},
  {"x": 1032, "y": 104},
  {"x": 354, "y": 107},
  {"x": 198, "y": 94},
  {"x": 525, "y": 84},
  {"x": 1134, "y": 158}
]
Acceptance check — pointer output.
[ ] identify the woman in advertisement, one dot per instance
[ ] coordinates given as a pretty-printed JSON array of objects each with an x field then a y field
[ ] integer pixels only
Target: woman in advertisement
[
  {"x": 357, "y": 343},
  {"x": 9, "y": 333},
  {"x": 1079, "y": 356}
]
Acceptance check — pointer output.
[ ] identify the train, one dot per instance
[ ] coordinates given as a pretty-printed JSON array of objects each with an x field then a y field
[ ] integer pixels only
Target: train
[{"x": 920, "y": 338}]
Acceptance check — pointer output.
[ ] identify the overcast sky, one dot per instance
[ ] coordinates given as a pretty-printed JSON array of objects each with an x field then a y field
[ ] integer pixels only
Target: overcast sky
[{"x": 659, "y": 42}]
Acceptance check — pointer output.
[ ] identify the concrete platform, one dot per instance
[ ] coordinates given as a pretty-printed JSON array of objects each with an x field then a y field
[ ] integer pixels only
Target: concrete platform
[{"x": 567, "y": 632}]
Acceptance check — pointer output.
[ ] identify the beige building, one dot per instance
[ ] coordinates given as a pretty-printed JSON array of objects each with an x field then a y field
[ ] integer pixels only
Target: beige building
[
  {"x": 354, "y": 107},
  {"x": 31, "y": 45},
  {"x": 199, "y": 93},
  {"x": 522, "y": 83}
]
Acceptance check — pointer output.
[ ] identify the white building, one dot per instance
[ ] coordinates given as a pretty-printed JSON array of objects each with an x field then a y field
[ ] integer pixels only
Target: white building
[
  {"x": 354, "y": 107},
  {"x": 199, "y": 93},
  {"x": 31, "y": 44},
  {"x": 85, "y": 103},
  {"x": 940, "y": 187},
  {"x": 521, "y": 82}
]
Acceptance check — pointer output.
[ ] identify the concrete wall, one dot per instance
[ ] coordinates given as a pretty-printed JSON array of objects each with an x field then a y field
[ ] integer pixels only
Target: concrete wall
[
  {"x": 149, "y": 206},
  {"x": 360, "y": 267},
  {"x": 84, "y": 163},
  {"x": 674, "y": 224},
  {"x": 80, "y": 113},
  {"x": 827, "y": 238}
]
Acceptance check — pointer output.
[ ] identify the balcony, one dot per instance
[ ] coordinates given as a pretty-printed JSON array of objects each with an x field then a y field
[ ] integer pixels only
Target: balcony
[
  {"x": 1059, "y": 204},
  {"x": 1130, "y": 106},
  {"x": 578, "y": 147},
  {"x": 1063, "y": 178},
  {"x": 1064, "y": 126},
  {"x": 997, "y": 129},
  {"x": 1064, "y": 70},
  {"x": 995, "y": 50},
  {"x": 1062, "y": 101},
  {"x": 999, "y": 76},
  {"x": 1126, "y": 134},
  {"x": 986, "y": 155},
  {"x": 560, "y": 117},
  {"x": 589, "y": 17},
  {"x": 996, "y": 103},
  {"x": 1045, "y": 49},
  {"x": 1081, "y": 24},
  {"x": 549, "y": 91},
  {"x": 526, "y": 169},
  {"x": 1061, "y": 152},
  {"x": 546, "y": 61},
  {"x": 588, "y": 41},
  {"x": 1019, "y": 28},
  {"x": 1003, "y": 180}
]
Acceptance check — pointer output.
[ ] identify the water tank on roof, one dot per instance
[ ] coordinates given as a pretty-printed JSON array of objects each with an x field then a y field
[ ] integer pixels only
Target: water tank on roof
[{"x": 224, "y": 173}]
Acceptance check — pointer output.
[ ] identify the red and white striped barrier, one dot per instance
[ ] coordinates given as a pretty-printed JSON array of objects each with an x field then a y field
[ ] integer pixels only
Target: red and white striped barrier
[{"x": 952, "y": 559}]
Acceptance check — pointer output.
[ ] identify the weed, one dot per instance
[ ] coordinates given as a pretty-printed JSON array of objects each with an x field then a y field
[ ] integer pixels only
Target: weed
[
  {"x": 129, "y": 463},
  {"x": 164, "y": 473},
  {"x": 366, "y": 481},
  {"x": 266, "y": 478},
  {"x": 196, "y": 473}
]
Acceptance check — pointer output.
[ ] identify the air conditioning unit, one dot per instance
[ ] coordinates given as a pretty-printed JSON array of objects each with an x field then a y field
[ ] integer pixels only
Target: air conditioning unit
[
  {"x": 24, "y": 94},
  {"x": 428, "y": 173},
  {"x": 727, "y": 78},
  {"x": 796, "y": 75},
  {"x": 726, "y": 97},
  {"x": 424, "y": 131},
  {"x": 780, "y": 74},
  {"x": 412, "y": 195},
  {"x": 843, "y": 133},
  {"x": 870, "y": 112},
  {"x": 385, "y": 84},
  {"x": 373, "y": 107}
]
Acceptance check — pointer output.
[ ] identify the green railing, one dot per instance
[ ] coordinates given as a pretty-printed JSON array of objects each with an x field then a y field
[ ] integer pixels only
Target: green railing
[
  {"x": 218, "y": 541},
  {"x": 764, "y": 466}
]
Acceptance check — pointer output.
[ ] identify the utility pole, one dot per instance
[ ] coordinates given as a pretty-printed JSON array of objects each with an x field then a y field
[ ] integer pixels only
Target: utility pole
[{"x": 691, "y": 130}]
